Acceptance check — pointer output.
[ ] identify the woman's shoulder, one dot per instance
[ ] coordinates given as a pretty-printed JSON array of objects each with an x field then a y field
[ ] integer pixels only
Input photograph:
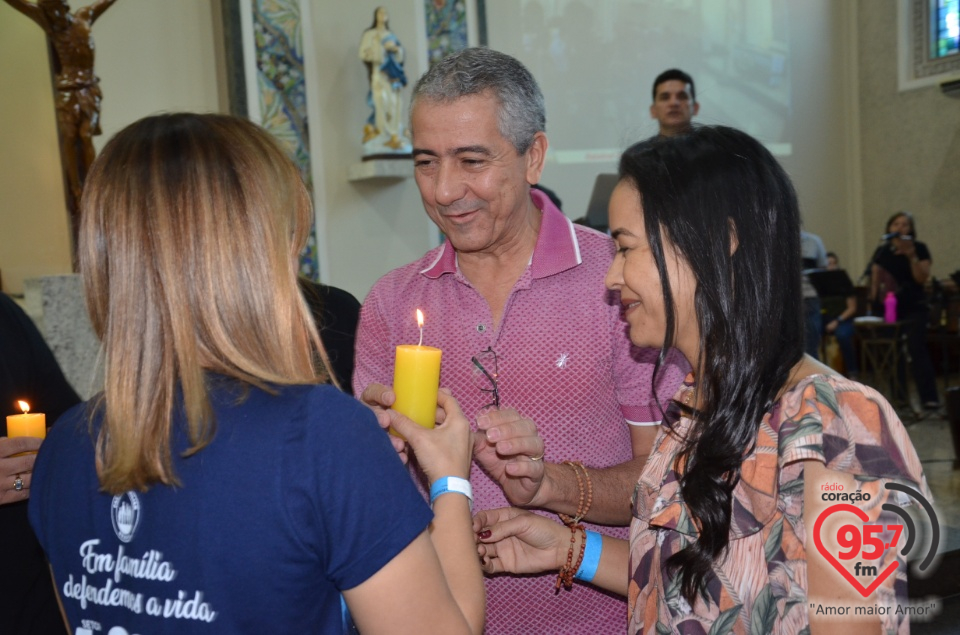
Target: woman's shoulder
[
  {"x": 320, "y": 400},
  {"x": 284, "y": 407},
  {"x": 333, "y": 402},
  {"x": 821, "y": 390},
  {"x": 816, "y": 395},
  {"x": 847, "y": 426},
  {"x": 79, "y": 420}
]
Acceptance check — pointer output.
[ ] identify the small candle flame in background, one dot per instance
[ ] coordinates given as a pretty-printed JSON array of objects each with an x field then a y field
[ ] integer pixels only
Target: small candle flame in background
[
  {"x": 24, "y": 406},
  {"x": 419, "y": 323}
]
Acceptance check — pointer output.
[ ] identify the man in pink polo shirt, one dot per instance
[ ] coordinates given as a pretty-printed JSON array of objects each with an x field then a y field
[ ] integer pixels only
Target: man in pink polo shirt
[{"x": 516, "y": 300}]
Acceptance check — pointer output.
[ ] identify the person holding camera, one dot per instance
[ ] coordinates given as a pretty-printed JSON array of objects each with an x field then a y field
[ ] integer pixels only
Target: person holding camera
[{"x": 901, "y": 265}]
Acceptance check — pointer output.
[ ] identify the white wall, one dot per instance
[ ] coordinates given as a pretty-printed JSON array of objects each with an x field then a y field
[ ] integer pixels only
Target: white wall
[
  {"x": 33, "y": 216},
  {"x": 776, "y": 69},
  {"x": 910, "y": 144},
  {"x": 151, "y": 57},
  {"x": 825, "y": 164},
  {"x": 372, "y": 227},
  {"x": 155, "y": 56}
]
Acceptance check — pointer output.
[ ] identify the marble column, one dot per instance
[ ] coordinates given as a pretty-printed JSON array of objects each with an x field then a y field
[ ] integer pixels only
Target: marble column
[{"x": 56, "y": 305}]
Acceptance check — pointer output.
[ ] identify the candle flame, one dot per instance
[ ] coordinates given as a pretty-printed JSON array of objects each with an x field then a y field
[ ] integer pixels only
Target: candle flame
[
  {"x": 419, "y": 318},
  {"x": 24, "y": 406}
]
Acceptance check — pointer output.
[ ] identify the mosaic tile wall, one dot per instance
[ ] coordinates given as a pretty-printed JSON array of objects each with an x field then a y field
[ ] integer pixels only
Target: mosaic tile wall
[
  {"x": 283, "y": 99},
  {"x": 446, "y": 28}
]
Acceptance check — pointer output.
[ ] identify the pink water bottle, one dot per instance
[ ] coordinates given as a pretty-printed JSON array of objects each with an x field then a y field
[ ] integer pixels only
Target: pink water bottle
[{"x": 890, "y": 308}]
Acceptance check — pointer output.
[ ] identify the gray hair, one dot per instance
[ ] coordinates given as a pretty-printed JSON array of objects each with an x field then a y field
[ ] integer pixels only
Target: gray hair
[{"x": 474, "y": 71}]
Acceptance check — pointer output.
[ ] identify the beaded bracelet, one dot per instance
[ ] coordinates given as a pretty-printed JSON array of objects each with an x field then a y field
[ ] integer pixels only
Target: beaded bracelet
[
  {"x": 566, "y": 574},
  {"x": 568, "y": 571},
  {"x": 582, "y": 509}
]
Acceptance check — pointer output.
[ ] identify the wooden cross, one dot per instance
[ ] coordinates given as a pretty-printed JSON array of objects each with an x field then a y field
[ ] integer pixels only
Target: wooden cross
[{"x": 76, "y": 90}]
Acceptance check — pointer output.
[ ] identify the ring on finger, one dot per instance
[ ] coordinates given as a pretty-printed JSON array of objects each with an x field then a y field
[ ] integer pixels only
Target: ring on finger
[{"x": 18, "y": 483}]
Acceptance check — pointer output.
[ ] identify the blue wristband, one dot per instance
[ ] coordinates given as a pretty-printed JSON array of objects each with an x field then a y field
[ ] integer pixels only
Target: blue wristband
[
  {"x": 448, "y": 484},
  {"x": 591, "y": 557}
]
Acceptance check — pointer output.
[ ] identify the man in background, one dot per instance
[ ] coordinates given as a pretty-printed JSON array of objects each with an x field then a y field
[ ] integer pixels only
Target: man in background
[{"x": 674, "y": 102}]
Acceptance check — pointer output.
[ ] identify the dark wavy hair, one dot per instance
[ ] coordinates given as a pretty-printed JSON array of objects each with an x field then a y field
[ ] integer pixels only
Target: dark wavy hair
[{"x": 730, "y": 210}]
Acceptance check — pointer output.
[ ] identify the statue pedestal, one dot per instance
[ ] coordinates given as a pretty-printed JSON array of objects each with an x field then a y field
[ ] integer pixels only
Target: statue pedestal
[
  {"x": 56, "y": 305},
  {"x": 398, "y": 168},
  {"x": 383, "y": 146}
]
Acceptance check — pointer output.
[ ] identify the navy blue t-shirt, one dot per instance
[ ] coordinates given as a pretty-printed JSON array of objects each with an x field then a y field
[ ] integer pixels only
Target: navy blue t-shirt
[{"x": 299, "y": 496}]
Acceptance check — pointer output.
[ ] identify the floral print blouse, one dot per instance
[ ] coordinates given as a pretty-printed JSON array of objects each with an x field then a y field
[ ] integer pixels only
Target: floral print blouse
[{"x": 760, "y": 586}]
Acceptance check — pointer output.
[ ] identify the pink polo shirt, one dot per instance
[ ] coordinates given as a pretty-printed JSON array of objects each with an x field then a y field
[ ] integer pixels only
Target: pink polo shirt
[{"x": 564, "y": 360}]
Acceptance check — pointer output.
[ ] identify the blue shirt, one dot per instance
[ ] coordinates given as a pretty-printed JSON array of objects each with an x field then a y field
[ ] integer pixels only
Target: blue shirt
[{"x": 299, "y": 496}]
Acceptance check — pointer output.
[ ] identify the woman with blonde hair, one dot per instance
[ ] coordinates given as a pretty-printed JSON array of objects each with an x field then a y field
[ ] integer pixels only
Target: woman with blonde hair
[{"x": 215, "y": 485}]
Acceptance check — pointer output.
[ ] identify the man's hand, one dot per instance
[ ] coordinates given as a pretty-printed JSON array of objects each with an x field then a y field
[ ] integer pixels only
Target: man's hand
[
  {"x": 509, "y": 448},
  {"x": 13, "y": 467},
  {"x": 380, "y": 398}
]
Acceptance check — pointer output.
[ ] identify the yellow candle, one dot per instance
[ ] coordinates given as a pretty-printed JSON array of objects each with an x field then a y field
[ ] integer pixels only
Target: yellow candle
[
  {"x": 416, "y": 379},
  {"x": 27, "y": 425}
]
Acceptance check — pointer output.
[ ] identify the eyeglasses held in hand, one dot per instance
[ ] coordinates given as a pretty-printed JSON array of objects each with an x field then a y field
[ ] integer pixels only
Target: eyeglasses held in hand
[{"x": 485, "y": 375}]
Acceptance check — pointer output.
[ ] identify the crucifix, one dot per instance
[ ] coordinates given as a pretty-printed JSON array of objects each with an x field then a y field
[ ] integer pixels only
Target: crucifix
[{"x": 76, "y": 91}]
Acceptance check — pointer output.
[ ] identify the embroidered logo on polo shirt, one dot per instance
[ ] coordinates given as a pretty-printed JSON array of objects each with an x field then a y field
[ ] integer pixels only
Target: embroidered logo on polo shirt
[
  {"x": 562, "y": 360},
  {"x": 125, "y": 513}
]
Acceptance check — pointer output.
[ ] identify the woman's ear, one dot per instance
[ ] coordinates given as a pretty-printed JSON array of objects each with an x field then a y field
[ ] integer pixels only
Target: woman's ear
[{"x": 734, "y": 240}]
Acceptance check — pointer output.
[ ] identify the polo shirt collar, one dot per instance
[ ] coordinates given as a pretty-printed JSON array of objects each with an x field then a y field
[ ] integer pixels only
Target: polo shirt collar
[{"x": 557, "y": 248}]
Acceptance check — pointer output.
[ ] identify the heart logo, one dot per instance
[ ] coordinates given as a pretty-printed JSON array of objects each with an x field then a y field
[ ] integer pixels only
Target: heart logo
[{"x": 843, "y": 507}]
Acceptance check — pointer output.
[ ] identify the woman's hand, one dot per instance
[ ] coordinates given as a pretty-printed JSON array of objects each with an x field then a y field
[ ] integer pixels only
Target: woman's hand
[
  {"x": 446, "y": 450},
  {"x": 16, "y": 467},
  {"x": 512, "y": 540}
]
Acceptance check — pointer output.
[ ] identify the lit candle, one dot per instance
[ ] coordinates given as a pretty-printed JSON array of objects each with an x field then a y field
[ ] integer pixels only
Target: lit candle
[
  {"x": 27, "y": 425},
  {"x": 416, "y": 379}
]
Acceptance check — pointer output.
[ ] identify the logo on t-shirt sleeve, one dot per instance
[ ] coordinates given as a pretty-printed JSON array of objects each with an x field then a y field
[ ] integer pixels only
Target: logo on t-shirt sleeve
[{"x": 125, "y": 513}]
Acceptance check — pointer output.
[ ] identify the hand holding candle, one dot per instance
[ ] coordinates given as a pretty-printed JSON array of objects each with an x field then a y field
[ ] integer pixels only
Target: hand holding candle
[
  {"x": 26, "y": 424},
  {"x": 416, "y": 380}
]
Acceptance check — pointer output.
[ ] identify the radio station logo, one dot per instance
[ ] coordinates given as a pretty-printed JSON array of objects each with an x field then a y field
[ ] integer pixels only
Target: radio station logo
[{"x": 864, "y": 543}]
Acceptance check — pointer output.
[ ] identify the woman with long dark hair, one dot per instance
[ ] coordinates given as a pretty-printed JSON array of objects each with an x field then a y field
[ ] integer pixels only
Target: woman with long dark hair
[{"x": 708, "y": 234}]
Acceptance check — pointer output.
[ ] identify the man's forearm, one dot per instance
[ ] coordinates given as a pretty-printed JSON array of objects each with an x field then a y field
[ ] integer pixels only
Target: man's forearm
[{"x": 612, "y": 491}]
